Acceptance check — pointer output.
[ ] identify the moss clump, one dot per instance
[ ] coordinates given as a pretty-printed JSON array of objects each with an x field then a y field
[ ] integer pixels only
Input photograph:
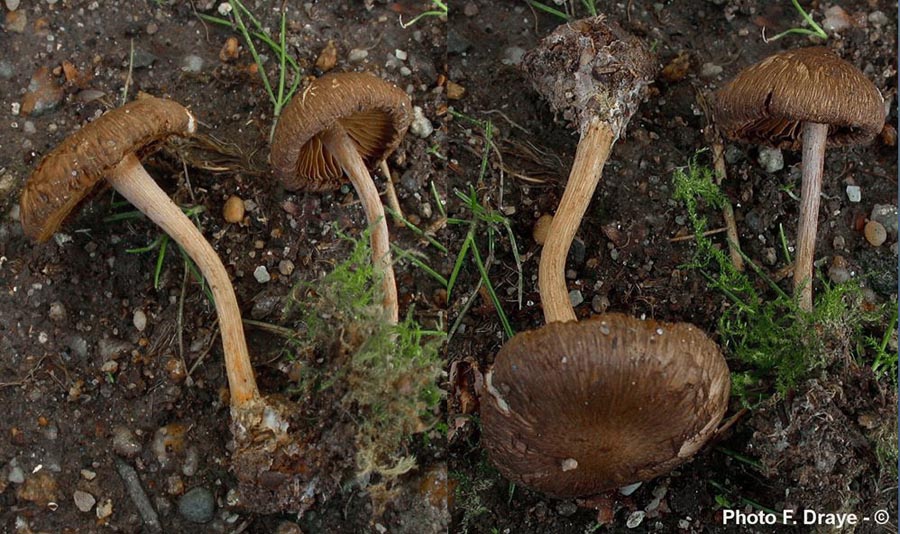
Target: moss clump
[
  {"x": 769, "y": 334},
  {"x": 359, "y": 369}
]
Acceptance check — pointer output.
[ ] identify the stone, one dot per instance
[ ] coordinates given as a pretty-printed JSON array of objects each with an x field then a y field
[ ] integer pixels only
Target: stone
[
  {"x": 197, "y": 505},
  {"x": 854, "y": 193},
  {"x": 357, "y": 55},
  {"x": 125, "y": 443},
  {"x": 771, "y": 159},
  {"x": 192, "y": 63},
  {"x": 84, "y": 501},
  {"x": 421, "y": 126},
  {"x": 43, "y": 93},
  {"x": 575, "y": 297},
  {"x": 262, "y": 274},
  {"x": 876, "y": 235},
  {"x": 139, "y": 319},
  {"x": 233, "y": 210}
]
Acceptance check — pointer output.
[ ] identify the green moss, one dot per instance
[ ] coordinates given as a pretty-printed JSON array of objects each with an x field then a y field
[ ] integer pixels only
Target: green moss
[
  {"x": 383, "y": 376},
  {"x": 774, "y": 341}
]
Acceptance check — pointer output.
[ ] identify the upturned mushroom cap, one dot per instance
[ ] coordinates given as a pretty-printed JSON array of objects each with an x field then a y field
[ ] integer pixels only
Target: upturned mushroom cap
[
  {"x": 374, "y": 113},
  {"x": 574, "y": 409},
  {"x": 71, "y": 171},
  {"x": 592, "y": 68},
  {"x": 767, "y": 103}
]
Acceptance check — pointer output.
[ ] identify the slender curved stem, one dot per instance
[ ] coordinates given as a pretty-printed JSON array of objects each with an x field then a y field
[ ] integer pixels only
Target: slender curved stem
[
  {"x": 344, "y": 150},
  {"x": 592, "y": 153},
  {"x": 814, "y": 137},
  {"x": 131, "y": 181}
]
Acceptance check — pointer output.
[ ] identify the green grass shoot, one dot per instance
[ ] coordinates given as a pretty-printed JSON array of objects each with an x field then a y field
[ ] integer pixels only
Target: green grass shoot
[
  {"x": 439, "y": 10},
  {"x": 816, "y": 30}
]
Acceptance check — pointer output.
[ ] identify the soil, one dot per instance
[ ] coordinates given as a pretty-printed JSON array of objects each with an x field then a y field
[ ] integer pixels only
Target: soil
[{"x": 94, "y": 396}]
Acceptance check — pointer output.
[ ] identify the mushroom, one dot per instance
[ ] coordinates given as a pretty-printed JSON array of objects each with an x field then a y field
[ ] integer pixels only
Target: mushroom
[
  {"x": 579, "y": 408},
  {"x": 343, "y": 124},
  {"x": 807, "y": 98},
  {"x": 595, "y": 74},
  {"x": 110, "y": 148},
  {"x": 266, "y": 457}
]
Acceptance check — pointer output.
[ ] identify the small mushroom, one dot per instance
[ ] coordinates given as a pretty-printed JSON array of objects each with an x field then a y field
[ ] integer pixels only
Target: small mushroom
[
  {"x": 806, "y": 98},
  {"x": 595, "y": 74},
  {"x": 344, "y": 124},
  {"x": 574, "y": 409},
  {"x": 272, "y": 464}
]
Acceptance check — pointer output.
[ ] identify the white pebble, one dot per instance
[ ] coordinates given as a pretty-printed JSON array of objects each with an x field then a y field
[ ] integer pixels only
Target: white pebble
[
  {"x": 854, "y": 193},
  {"x": 635, "y": 519},
  {"x": 84, "y": 501},
  {"x": 400, "y": 54},
  {"x": 771, "y": 159},
  {"x": 140, "y": 320},
  {"x": 12, "y": 5},
  {"x": 420, "y": 126},
  {"x": 261, "y": 274},
  {"x": 357, "y": 55}
]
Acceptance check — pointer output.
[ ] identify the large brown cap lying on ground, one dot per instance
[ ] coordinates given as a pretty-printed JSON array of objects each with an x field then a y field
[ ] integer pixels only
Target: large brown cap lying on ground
[
  {"x": 70, "y": 172},
  {"x": 574, "y": 409},
  {"x": 592, "y": 68},
  {"x": 767, "y": 103},
  {"x": 374, "y": 113}
]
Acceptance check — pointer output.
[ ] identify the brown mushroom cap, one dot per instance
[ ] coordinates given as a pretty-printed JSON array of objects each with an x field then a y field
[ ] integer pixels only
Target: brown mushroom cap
[
  {"x": 70, "y": 172},
  {"x": 573, "y": 409},
  {"x": 766, "y": 103},
  {"x": 592, "y": 68},
  {"x": 374, "y": 113}
]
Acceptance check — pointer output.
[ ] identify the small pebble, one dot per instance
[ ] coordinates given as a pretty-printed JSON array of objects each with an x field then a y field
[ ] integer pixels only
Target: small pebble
[
  {"x": 878, "y": 18},
  {"x": 327, "y": 57},
  {"x": 286, "y": 267},
  {"x": 886, "y": 214},
  {"x": 230, "y": 50},
  {"x": 771, "y": 159},
  {"x": 16, "y": 475},
  {"x": 876, "y": 235},
  {"x": 400, "y": 54},
  {"x": 125, "y": 443},
  {"x": 16, "y": 21},
  {"x": 635, "y": 519},
  {"x": 87, "y": 474},
  {"x": 600, "y": 303},
  {"x": 140, "y": 320},
  {"x": 710, "y": 70},
  {"x": 420, "y": 126},
  {"x": 192, "y": 63},
  {"x": 357, "y": 55},
  {"x": 513, "y": 56},
  {"x": 12, "y": 5},
  {"x": 838, "y": 271},
  {"x": 839, "y": 242},
  {"x": 84, "y": 501},
  {"x": 455, "y": 91},
  {"x": 836, "y": 19},
  {"x": 854, "y": 193},
  {"x": 57, "y": 311},
  {"x": 261, "y": 274},
  {"x": 105, "y": 509},
  {"x": 233, "y": 210},
  {"x": 542, "y": 228},
  {"x": 566, "y": 508},
  {"x": 575, "y": 297},
  {"x": 198, "y": 505}
]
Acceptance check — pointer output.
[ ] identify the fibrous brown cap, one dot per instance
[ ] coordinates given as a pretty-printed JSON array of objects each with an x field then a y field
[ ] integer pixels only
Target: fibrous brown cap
[
  {"x": 574, "y": 409},
  {"x": 374, "y": 113},
  {"x": 767, "y": 103},
  {"x": 592, "y": 68},
  {"x": 70, "y": 172}
]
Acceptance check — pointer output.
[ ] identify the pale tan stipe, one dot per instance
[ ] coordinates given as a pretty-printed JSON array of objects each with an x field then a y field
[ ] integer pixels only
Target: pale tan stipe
[
  {"x": 339, "y": 144},
  {"x": 814, "y": 138},
  {"x": 131, "y": 181},
  {"x": 592, "y": 153}
]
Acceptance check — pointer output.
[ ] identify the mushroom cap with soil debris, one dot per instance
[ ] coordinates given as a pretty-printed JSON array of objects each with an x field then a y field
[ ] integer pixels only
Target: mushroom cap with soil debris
[{"x": 575, "y": 409}]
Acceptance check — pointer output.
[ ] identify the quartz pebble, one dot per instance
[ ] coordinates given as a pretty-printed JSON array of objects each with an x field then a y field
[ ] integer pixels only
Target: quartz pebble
[
  {"x": 84, "y": 501},
  {"x": 575, "y": 297},
  {"x": 262, "y": 274},
  {"x": 140, "y": 320},
  {"x": 854, "y": 193}
]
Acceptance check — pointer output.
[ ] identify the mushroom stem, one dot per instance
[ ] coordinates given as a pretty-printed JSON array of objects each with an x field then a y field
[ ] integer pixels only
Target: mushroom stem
[
  {"x": 814, "y": 136},
  {"x": 592, "y": 153},
  {"x": 131, "y": 181},
  {"x": 339, "y": 144}
]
